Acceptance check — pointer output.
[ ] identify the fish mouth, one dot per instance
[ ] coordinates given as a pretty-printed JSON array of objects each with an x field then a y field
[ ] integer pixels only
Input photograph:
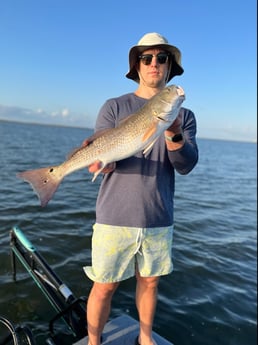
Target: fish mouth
[
  {"x": 161, "y": 119},
  {"x": 180, "y": 91}
]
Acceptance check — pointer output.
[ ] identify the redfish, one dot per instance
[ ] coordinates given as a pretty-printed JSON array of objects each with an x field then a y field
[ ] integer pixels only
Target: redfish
[{"x": 137, "y": 132}]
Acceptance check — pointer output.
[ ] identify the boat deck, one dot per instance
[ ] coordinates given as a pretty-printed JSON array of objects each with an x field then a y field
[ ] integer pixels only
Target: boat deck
[{"x": 123, "y": 330}]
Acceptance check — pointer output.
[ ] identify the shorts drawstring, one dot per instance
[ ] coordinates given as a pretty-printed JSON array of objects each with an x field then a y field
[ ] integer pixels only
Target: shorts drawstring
[{"x": 139, "y": 241}]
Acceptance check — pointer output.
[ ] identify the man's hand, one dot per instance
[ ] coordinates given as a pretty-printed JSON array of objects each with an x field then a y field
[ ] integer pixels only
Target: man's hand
[
  {"x": 86, "y": 142},
  {"x": 175, "y": 128},
  {"x": 97, "y": 165}
]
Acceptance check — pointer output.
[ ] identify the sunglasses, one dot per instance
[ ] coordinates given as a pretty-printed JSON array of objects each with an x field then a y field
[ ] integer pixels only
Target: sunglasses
[{"x": 147, "y": 58}]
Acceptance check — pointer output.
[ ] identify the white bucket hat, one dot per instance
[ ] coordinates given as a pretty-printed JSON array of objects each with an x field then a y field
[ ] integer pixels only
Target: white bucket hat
[{"x": 148, "y": 41}]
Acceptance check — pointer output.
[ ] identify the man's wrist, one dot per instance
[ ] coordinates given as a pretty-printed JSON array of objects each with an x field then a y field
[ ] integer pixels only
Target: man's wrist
[{"x": 174, "y": 138}]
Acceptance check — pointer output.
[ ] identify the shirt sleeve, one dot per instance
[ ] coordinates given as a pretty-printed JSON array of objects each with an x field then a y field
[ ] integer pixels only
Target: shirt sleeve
[{"x": 107, "y": 117}]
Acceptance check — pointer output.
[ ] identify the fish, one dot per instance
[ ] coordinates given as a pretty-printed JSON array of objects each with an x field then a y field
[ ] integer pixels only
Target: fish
[{"x": 137, "y": 132}]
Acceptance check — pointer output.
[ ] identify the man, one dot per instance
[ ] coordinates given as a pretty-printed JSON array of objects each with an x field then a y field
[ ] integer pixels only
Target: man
[{"x": 134, "y": 212}]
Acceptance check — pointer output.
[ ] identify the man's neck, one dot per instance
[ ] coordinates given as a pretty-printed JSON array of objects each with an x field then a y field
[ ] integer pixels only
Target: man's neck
[{"x": 147, "y": 92}]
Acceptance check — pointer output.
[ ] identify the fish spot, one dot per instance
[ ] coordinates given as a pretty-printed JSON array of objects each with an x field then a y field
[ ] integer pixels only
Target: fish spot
[{"x": 51, "y": 170}]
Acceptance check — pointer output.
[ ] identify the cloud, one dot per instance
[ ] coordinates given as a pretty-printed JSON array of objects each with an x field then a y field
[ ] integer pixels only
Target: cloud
[
  {"x": 65, "y": 112},
  {"x": 62, "y": 117},
  {"x": 39, "y": 111}
]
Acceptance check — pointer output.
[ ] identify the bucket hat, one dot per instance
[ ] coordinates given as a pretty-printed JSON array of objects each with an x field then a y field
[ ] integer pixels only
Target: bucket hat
[{"x": 152, "y": 40}]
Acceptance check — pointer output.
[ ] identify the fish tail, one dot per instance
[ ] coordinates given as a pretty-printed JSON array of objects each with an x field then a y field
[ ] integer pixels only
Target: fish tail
[{"x": 44, "y": 182}]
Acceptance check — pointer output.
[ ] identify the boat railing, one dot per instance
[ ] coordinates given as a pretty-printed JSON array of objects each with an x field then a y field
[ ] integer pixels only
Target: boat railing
[{"x": 68, "y": 308}]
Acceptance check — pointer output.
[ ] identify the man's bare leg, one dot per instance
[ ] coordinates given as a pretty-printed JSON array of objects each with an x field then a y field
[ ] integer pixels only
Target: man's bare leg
[
  {"x": 98, "y": 309},
  {"x": 146, "y": 300}
]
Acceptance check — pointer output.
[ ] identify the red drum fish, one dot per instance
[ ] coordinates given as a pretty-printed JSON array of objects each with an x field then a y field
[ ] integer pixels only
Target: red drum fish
[{"x": 137, "y": 132}]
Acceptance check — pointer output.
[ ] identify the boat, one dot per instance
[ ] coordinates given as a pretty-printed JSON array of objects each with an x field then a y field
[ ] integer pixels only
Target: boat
[{"x": 122, "y": 330}]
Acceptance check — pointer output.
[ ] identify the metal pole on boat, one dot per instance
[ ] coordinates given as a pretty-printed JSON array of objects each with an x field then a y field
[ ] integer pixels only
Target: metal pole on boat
[{"x": 13, "y": 258}]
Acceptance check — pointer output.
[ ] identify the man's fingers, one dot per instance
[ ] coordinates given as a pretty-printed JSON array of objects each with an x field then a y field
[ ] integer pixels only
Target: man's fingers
[{"x": 94, "y": 167}]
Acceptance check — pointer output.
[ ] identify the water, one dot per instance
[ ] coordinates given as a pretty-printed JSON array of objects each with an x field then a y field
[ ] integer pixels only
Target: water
[{"x": 209, "y": 299}]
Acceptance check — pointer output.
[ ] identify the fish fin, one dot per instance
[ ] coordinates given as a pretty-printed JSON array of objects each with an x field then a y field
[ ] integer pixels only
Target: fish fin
[
  {"x": 44, "y": 182},
  {"x": 98, "y": 134},
  {"x": 124, "y": 120},
  {"x": 150, "y": 131},
  {"x": 73, "y": 152},
  {"x": 96, "y": 174},
  {"x": 87, "y": 142},
  {"x": 148, "y": 148}
]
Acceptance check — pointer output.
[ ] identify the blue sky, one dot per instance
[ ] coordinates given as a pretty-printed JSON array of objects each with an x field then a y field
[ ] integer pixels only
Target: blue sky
[{"x": 61, "y": 59}]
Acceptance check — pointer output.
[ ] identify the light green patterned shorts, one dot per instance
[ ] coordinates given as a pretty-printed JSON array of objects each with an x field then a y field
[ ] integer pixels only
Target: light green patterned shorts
[{"x": 117, "y": 251}]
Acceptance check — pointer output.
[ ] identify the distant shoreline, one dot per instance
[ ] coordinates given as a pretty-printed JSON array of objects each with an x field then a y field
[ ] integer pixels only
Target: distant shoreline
[
  {"x": 43, "y": 124},
  {"x": 88, "y": 128}
]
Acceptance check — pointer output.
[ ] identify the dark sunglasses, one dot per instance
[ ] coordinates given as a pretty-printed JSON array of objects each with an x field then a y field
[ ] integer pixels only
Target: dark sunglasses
[{"x": 147, "y": 58}]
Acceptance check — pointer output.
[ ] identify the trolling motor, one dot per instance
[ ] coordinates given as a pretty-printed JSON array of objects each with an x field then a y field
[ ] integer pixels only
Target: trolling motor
[{"x": 69, "y": 308}]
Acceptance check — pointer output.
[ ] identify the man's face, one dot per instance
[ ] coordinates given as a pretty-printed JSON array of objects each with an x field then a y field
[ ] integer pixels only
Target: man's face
[{"x": 153, "y": 67}]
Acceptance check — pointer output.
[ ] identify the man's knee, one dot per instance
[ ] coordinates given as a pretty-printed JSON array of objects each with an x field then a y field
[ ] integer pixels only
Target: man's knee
[
  {"x": 148, "y": 282},
  {"x": 104, "y": 291}
]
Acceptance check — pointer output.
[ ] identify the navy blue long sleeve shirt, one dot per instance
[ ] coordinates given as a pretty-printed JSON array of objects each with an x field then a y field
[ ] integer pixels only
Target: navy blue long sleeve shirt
[{"x": 140, "y": 191}]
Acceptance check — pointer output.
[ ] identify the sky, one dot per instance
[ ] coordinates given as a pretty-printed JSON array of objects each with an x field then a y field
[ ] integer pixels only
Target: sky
[{"x": 60, "y": 60}]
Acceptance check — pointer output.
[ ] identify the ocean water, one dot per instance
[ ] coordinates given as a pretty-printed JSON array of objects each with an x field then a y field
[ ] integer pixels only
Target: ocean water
[{"x": 209, "y": 299}]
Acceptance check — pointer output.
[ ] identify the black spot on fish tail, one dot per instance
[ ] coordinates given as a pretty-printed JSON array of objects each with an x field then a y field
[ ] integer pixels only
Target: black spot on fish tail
[{"x": 44, "y": 182}]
